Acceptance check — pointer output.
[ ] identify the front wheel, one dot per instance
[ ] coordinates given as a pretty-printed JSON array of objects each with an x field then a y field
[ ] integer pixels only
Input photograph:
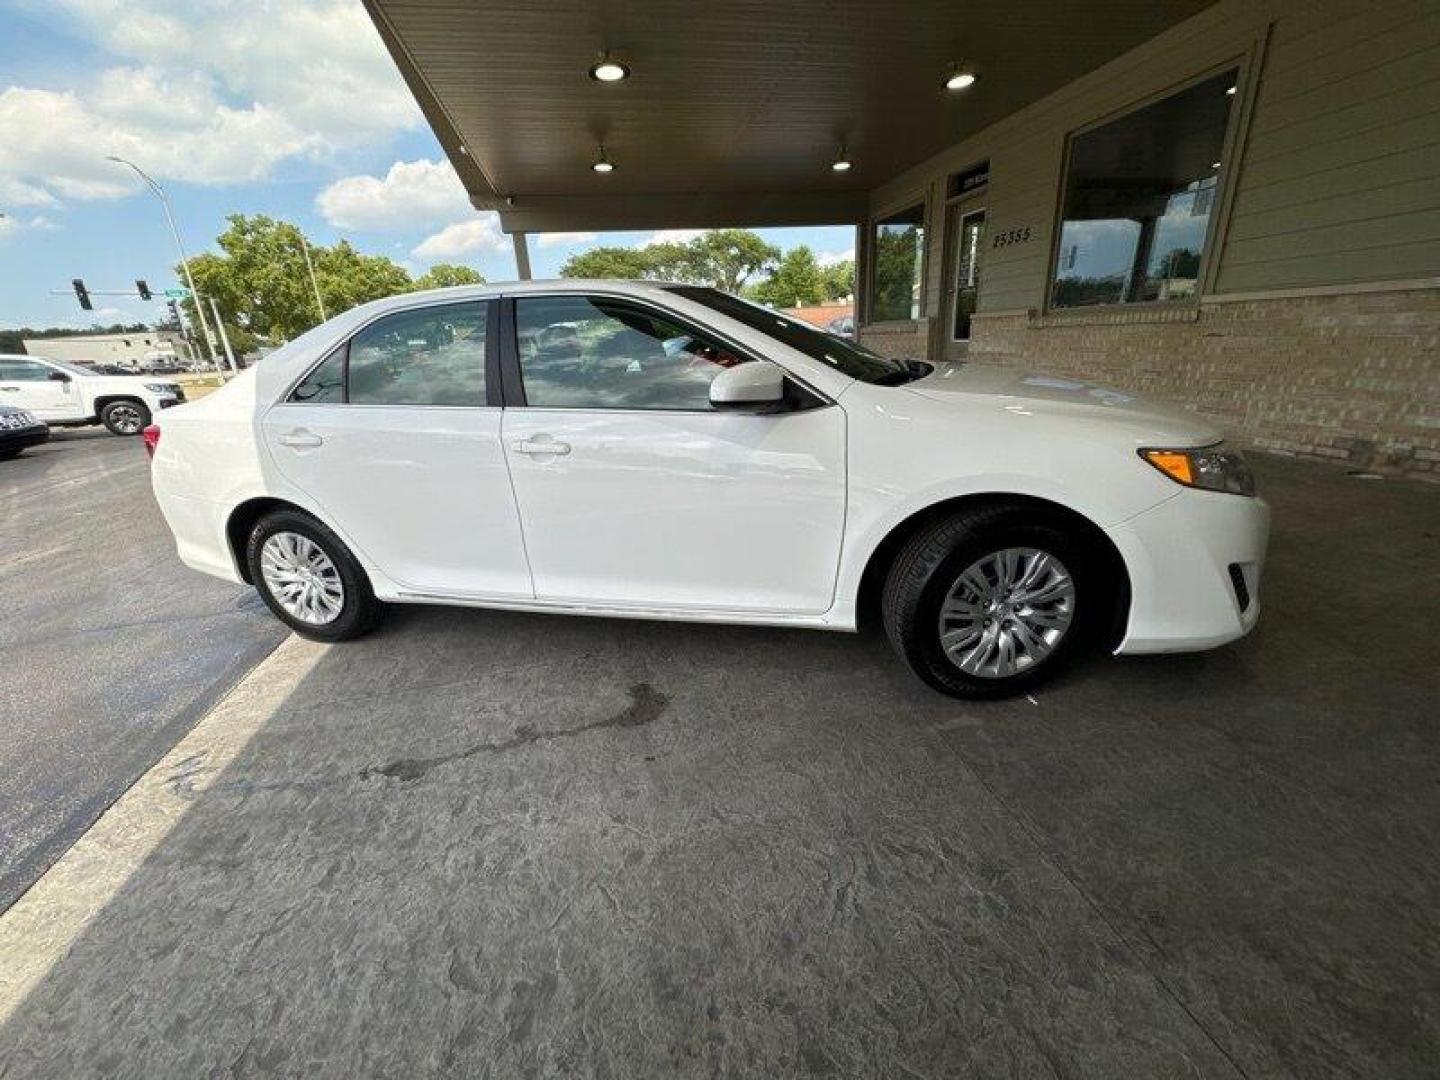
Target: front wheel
[
  {"x": 309, "y": 579},
  {"x": 125, "y": 417},
  {"x": 990, "y": 602}
]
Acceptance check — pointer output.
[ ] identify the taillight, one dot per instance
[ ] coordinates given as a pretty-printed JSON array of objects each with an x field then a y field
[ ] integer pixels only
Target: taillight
[{"x": 151, "y": 435}]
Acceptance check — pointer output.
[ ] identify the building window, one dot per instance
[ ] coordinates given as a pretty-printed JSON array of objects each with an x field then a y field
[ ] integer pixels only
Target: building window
[
  {"x": 898, "y": 257},
  {"x": 1139, "y": 192}
]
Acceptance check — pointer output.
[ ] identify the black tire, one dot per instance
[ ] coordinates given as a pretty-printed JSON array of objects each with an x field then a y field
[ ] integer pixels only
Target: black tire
[
  {"x": 6, "y": 455},
  {"x": 360, "y": 611},
  {"x": 934, "y": 558},
  {"x": 125, "y": 417}
]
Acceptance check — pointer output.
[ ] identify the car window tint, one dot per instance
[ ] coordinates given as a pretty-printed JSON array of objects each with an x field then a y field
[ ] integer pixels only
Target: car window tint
[
  {"x": 23, "y": 371},
  {"x": 431, "y": 356},
  {"x": 326, "y": 384},
  {"x": 594, "y": 352}
]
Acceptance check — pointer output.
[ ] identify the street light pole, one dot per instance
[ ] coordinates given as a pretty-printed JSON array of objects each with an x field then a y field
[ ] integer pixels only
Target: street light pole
[
  {"x": 180, "y": 247},
  {"x": 314, "y": 284}
]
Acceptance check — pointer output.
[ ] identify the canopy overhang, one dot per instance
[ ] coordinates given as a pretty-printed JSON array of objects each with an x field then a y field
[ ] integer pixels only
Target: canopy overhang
[{"x": 734, "y": 111}]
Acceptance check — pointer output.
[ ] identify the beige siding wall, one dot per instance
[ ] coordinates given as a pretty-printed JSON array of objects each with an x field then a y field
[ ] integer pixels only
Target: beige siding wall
[{"x": 1334, "y": 180}]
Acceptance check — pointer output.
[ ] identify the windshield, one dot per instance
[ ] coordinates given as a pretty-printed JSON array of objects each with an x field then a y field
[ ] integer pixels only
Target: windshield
[
  {"x": 73, "y": 369},
  {"x": 845, "y": 356}
]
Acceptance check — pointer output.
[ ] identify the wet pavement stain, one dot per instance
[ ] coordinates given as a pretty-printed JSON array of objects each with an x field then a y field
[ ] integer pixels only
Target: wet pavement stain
[{"x": 646, "y": 705}]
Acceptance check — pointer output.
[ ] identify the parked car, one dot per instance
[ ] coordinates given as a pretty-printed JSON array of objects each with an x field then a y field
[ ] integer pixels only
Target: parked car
[
  {"x": 450, "y": 449},
  {"x": 64, "y": 394},
  {"x": 18, "y": 431}
]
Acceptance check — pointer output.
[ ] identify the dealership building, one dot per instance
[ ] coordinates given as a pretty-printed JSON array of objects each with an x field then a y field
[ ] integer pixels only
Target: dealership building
[{"x": 1232, "y": 205}]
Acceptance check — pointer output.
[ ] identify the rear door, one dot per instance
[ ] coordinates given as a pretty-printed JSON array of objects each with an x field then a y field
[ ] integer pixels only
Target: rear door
[
  {"x": 633, "y": 491},
  {"x": 396, "y": 437},
  {"x": 27, "y": 384}
]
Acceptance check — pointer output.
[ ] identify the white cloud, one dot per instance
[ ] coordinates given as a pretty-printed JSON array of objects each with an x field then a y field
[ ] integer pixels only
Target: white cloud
[
  {"x": 672, "y": 236},
  {"x": 9, "y": 224},
  {"x": 481, "y": 233},
  {"x": 214, "y": 92},
  {"x": 831, "y": 258},
  {"x": 555, "y": 239},
  {"x": 411, "y": 193}
]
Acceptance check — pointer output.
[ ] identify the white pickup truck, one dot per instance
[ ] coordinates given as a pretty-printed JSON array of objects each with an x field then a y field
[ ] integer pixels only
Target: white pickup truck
[{"x": 64, "y": 394}]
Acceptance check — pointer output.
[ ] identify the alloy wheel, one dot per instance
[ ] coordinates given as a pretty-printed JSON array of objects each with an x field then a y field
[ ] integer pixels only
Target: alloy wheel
[
  {"x": 126, "y": 418},
  {"x": 302, "y": 578},
  {"x": 1006, "y": 612}
]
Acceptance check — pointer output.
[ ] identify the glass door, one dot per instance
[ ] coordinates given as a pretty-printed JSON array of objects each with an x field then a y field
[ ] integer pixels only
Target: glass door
[{"x": 966, "y": 235}]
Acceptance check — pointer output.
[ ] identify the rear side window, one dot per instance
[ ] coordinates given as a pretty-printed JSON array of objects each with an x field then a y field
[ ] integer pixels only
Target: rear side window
[
  {"x": 326, "y": 383},
  {"x": 429, "y": 356}
]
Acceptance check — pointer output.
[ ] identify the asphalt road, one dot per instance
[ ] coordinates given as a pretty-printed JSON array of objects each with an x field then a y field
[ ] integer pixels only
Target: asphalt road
[{"x": 110, "y": 649}]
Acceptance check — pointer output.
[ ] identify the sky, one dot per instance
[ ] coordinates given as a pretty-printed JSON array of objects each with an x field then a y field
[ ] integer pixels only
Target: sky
[{"x": 290, "y": 108}]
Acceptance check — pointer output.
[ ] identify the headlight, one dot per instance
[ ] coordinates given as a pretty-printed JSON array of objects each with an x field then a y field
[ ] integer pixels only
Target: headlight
[
  {"x": 160, "y": 387},
  {"x": 1213, "y": 468}
]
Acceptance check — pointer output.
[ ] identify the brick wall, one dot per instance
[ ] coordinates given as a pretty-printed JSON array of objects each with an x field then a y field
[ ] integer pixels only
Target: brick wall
[
  {"x": 908, "y": 339},
  {"x": 1351, "y": 378}
]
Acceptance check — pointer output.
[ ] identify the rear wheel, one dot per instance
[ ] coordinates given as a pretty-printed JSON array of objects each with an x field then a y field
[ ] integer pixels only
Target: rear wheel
[
  {"x": 125, "y": 417},
  {"x": 990, "y": 602},
  {"x": 309, "y": 579}
]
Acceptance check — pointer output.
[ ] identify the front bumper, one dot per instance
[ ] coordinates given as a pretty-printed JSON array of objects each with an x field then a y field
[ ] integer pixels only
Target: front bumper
[
  {"x": 1194, "y": 563},
  {"x": 20, "y": 438}
]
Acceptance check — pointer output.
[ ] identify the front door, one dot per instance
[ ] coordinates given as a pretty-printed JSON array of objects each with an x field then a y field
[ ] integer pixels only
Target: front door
[
  {"x": 634, "y": 492},
  {"x": 964, "y": 239},
  {"x": 29, "y": 385},
  {"x": 394, "y": 439}
]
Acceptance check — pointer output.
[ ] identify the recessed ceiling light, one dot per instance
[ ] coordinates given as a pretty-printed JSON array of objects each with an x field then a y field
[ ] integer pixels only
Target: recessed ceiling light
[
  {"x": 842, "y": 161},
  {"x": 961, "y": 77},
  {"x": 608, "y": 69},
  {"x": 1231, "y": 91},
  {"x": 603, "y": 164},
  {"x": 1214, "y": 164}
]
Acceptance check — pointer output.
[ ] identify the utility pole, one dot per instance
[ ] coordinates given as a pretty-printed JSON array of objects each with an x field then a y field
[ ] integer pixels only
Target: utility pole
[
  {"x": 180, "y": 247},
  {"x": 314, "y": 284},
  {"x": 224, "y": 337}
]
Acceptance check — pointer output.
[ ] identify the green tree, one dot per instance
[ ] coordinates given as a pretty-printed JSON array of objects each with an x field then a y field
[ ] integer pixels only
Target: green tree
[
  {"x": 838, "y": 280},
  {"x": 608, "y": 262},
  {"x": 727, "y": 258},
  {"x": 797, "y": 280},
  {"x": 444, "y": 275},
  {"x": 262, "y": 284}
]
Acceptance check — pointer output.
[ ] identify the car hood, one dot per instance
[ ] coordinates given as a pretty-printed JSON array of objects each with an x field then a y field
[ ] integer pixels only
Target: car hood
[{"x": 993, "y": 389}]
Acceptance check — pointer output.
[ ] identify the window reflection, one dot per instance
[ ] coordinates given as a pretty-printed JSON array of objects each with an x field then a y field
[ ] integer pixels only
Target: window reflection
[{"x": 1139, "y": 192}]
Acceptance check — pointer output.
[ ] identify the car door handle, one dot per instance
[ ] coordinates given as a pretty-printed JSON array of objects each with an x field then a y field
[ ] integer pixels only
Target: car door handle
[
  {"x": 301, "y": 440},
  {"x": 541, "y": 446},
  {"x": 10, "y": 389}
]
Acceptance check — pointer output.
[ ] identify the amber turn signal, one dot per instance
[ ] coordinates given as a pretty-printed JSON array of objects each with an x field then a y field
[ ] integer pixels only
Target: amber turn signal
[{"x": 1173, "y": 464}]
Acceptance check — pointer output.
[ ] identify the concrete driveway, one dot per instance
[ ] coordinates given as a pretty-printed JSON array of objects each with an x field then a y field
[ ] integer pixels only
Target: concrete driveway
[
  {"x": 484, "y": 844},
  {"x": 109, "y": 648}
]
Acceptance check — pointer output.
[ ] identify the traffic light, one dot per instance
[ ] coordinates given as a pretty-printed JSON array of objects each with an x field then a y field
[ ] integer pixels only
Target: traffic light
[
  {"x": 82, "y": 294},
  {"x": 143, "y": 289}
]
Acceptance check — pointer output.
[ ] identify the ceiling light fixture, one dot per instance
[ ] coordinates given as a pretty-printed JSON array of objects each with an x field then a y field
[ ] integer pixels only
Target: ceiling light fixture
[
  {"x": 603, "y": 164},
  {"x": 608, "y": 69},
  {"x": 1231, "y": 92},
  {"x": 842, "y": 161},
  {"x": 961, "y": 77}
]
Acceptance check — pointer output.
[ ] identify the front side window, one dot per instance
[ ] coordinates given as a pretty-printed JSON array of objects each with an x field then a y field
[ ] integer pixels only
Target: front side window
[
  {"x": 594, "y": 352},
  {"x": 23, "y": 371},
  {"x": 1139, "y": 192},
  {"x": 848, "y": 357},
  {"x": 899, "y": 259},
  {"x": 429, "y": 356}
]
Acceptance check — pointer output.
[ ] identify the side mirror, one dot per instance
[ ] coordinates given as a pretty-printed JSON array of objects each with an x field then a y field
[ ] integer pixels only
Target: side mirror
[
  {"x": 58, "y": 376},
  {"x": 757, "y": 386}
]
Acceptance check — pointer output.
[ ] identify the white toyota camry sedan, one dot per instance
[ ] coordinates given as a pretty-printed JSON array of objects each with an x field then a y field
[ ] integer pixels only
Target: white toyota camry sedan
[{"x": 674, "y": 452}]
